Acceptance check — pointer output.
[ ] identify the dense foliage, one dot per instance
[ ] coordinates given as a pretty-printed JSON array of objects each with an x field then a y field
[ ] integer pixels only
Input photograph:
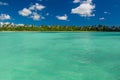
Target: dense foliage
[{"x": 58, "y": 28}]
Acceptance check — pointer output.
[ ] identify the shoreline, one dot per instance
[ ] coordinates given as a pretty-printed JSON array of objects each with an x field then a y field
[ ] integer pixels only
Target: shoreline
[{"x": 59, "y": 31}]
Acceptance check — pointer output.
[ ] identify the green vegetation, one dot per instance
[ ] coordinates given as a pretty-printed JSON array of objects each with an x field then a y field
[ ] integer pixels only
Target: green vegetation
[{"x": 10, "y": 27}]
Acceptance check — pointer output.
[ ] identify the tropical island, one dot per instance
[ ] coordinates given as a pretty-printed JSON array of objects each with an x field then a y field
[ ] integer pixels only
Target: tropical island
[{"x": 10, "y": 27}]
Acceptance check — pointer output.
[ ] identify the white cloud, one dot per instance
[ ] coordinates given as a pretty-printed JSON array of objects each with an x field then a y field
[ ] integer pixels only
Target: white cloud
[
  {"x": 106, "y": 12},
  {"x": 11, "y": 23},
  {"x": 2, "y": 23},
  {"x": 37, "y": 6},
  {"x": 102, "y": 18},
  {"x": 19, "y": 24},
  {"x": 76, "y": 1},
  {"x": 31, "y": 12},
  {"x": 5, "y": 17},
  {"x": 36, "y": 16},
  {"x": 25, "y": 12},
  {"x": 3, "y": 3},
  {"x": 47, "y": 14},
  {"x": 64, "y": 17},
  {"x": 85, "y": 9}
]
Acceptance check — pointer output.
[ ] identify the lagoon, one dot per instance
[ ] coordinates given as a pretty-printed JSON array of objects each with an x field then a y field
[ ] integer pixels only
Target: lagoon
[{"x": 59, "y": 55}]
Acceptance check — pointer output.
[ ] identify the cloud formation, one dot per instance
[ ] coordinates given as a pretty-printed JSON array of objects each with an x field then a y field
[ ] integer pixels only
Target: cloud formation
[
  {"x": 5, "y": 17},
  {"x": 85, "y": 9},
  {"x": 11, "y": 23},
  {"x": 2, "y": 23},
  {"x": 35, "y": 16},
  {"x": 31, "y": 12},
  {"x": 37, "y": 6},
  {"x": 25, "y": 12},
  {"x": 76, "y": 1},
  {"x": 107, "y": 12},
  {"x": 102, "y": 18},
  {"x": 64, "y": 17},
  {"x": 3, "y": 3}
]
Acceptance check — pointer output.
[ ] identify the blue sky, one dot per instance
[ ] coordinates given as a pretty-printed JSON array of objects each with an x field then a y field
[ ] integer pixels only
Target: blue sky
[{"x": 60, "y": 12}]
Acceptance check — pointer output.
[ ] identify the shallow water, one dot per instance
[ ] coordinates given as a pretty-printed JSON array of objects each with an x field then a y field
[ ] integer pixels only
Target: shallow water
[{"x": 59, "y": 56}]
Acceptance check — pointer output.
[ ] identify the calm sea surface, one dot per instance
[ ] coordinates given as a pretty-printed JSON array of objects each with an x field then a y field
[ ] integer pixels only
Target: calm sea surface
[{"x": 59, "y": 56}]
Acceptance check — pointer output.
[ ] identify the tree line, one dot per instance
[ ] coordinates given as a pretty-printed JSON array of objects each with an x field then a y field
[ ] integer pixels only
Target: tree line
[{"x": 9, "y": 27}]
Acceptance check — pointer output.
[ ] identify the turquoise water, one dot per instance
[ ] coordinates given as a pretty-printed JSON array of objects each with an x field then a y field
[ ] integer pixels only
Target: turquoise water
[{"x": 59, "y": 56}]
